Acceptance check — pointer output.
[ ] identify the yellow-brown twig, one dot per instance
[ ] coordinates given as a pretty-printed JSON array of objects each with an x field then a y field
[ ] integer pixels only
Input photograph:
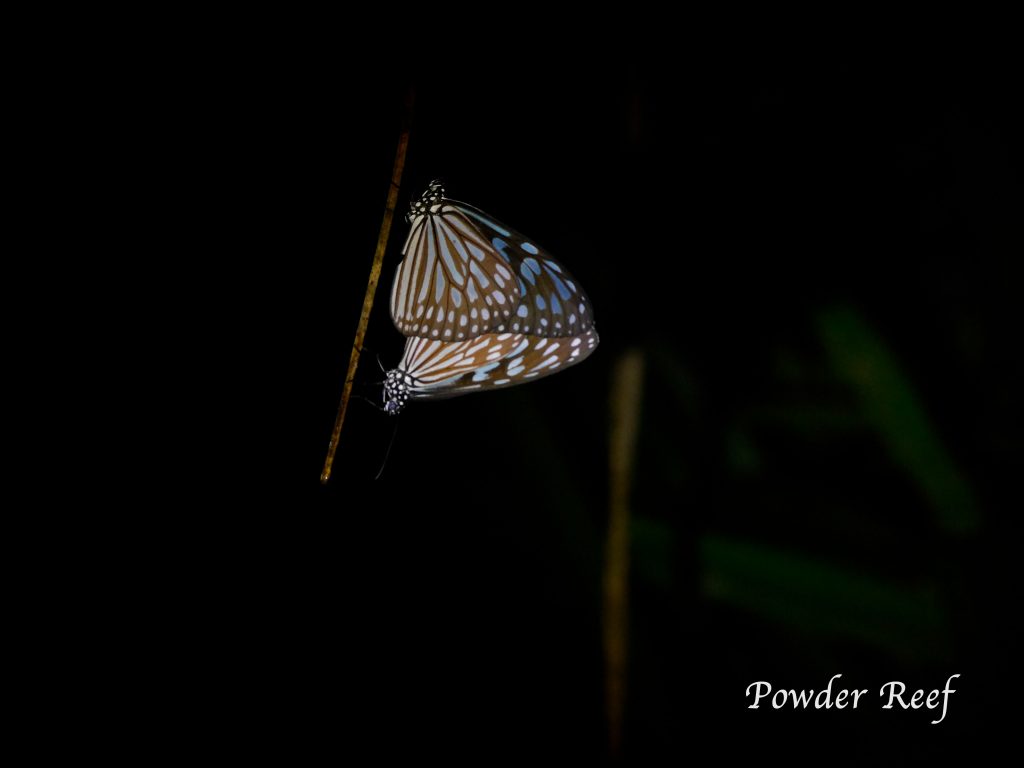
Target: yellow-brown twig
[
  {"x": 626, "y": 393},
  {"x": 371, "y": 285}
]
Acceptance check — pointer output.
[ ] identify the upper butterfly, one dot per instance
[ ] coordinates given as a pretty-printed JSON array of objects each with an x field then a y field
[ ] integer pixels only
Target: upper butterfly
[{"x": 464, "y": 274}]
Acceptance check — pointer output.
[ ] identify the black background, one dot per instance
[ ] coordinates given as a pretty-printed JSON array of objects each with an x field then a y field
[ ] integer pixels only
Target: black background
[{"x": 762, "y": 227}]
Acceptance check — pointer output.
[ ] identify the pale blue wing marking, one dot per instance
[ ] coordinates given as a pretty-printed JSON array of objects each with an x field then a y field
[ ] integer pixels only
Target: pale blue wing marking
[
  {"x": 438, "y": 285},
  {"x": 563, "y": 291},
  {"x": 500, "y": 246},
  {"x": 484, "y": 371},
  {"x": 450, "y": 262},
  {"x": 487, "y": 222}
]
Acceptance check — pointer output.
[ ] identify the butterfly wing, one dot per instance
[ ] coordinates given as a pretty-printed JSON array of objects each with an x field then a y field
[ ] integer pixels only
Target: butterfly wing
[
  {"x": 438, "y": 370},
  {"x": 451, "y": 283},
  {"x": 551, "y": 301}
]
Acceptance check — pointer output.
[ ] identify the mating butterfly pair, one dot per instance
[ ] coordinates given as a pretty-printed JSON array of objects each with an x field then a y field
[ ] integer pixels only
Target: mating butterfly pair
[{"x": 482, "y": 306}]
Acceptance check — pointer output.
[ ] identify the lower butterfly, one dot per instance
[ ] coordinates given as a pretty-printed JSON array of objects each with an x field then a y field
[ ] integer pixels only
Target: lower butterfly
[{"x": 433, "y": 369}]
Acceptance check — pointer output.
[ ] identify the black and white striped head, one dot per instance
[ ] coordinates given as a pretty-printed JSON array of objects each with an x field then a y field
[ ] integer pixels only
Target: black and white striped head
[
  {"x": 432, "y": 197},
  {"x": 396, "y": 391}
]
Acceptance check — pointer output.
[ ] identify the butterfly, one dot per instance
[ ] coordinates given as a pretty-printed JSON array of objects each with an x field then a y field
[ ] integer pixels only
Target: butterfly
[
  {"x": 464, "y": 274},
  {"x": 482, "y": 306},
  {"x": 435, "y": 369}
]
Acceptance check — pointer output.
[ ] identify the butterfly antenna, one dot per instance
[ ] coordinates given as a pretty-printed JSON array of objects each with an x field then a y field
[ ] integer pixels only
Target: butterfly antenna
[
  {"x": 376, "y": 406},
  {"x": 387, "y": 453}
]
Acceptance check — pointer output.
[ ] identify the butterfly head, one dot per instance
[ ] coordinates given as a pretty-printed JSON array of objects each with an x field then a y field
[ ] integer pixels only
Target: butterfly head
[
  {"x": 396, "y": 391},
  {"x": 431, "y": 198}
]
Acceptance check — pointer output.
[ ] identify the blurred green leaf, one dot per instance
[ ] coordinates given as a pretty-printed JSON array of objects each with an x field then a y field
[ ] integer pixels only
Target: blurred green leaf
[
  {"x": 907, "y": 621},
  {"x": 892, "y": 406}
]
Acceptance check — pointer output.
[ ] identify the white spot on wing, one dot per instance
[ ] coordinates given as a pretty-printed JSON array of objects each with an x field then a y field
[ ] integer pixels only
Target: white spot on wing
[
  {"x": 439, "y": 283},
  {"x": 484, "y": 372},
  {"x": 547, "y": 361},
  {"x": 479, "y": 274},
  {"x": 450, "y": 262}
]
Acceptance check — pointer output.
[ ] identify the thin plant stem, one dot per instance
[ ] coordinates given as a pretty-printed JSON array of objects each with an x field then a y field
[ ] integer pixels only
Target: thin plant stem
[
  {"x": 371, "y": 285},
  {"x": 626, "y": 396}
]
